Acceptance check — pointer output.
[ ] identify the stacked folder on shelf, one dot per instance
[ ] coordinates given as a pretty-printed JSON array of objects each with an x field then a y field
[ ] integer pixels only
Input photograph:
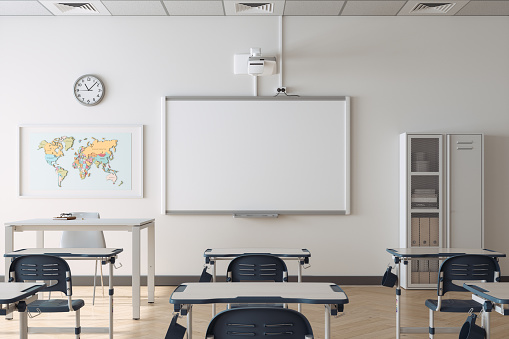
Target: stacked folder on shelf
[{"x": 425, "y": 198}]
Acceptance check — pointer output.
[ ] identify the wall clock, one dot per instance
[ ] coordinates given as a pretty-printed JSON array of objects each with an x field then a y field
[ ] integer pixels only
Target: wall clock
[{"x": 89, "y": 90}]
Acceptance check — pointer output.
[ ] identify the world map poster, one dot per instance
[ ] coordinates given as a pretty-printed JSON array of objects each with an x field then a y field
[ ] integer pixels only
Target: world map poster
[{"x": 78, "y": 160}]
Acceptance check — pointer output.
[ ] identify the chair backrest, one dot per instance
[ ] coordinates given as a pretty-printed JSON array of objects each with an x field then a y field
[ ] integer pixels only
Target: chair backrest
[
  {"x": 43, "y": 267},
  {"x": 83, "y": 239},
  {"x": 465, "y": 268},
  {"x": 257, "y": 267},
  {"x": 283, "y": 323}
]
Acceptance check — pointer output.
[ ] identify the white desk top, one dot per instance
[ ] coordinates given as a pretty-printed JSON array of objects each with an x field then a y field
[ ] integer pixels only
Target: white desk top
[
  {"x": 16, "y": 291},
  {"x": 497, "y": 292},
  {"x": 235, "y": 252},
  {"x": 68, "y": 252},
  {"x": 258, "y": 292},
  {"x": 434, "y": 252},
  {"x": 102, "y": 222}
]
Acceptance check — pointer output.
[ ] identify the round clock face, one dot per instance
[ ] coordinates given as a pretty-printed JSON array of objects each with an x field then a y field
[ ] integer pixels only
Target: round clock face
[{"x": 89, "y": 90}]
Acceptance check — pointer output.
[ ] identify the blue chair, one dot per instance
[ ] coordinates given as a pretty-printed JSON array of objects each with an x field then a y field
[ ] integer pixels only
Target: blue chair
[
  {"x": 282, "y": 323},
  {"x": 56, "y": 273},
  {"x": 453, "y": 272},
  {"x": 257, "y": 267}
]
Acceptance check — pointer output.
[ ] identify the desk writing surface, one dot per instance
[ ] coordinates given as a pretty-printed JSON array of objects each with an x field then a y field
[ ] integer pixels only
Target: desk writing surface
[
  {"x": 434, "y": 252},
  {"x": 258, "y": 292},
  {"x": 497, "y": 292},
  {"x": 67, "y": 252},
  {"x": 15, "y": 291},
  {"x": 279, "y": 252},
  {"x": 103, "y": 222}
]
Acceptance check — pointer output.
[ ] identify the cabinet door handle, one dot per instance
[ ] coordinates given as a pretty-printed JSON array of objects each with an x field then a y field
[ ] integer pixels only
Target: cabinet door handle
[
  {"x": 464, "y": 142},
  {"x": 464, "y": 148}
]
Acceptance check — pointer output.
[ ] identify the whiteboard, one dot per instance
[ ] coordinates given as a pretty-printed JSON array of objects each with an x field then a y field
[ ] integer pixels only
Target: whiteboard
[{"x": 255, "y": 155}]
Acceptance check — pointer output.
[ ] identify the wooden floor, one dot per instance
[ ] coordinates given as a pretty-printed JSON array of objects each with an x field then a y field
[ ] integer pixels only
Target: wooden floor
[{"x": 370, "y": 314}]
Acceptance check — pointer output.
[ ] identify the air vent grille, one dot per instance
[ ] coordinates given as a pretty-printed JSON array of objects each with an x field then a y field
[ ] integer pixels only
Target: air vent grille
[
  {"x": 267, "y": 8},
  {"x": 432, "y": 8},
  {"x": 75, "y": 7},
  {"x": 69, "y": 6}
]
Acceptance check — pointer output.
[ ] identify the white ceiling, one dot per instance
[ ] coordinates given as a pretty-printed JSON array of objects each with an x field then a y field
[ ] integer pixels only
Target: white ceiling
[{"x": 272, "y": 7}]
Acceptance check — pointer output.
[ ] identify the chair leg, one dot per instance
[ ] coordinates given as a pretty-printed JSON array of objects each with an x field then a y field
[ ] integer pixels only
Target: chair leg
[
  {"x": 431, "y": 324},
  {"x": 77, "y": 329}
]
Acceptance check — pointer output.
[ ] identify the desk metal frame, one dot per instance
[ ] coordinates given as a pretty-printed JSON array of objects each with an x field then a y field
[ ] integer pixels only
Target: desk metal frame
[
  {"x": 130, "y": 225},
  {"x": 328, "y": 294},
  {"x": 493, "y": 295},
  {"x": 300, "y": 255},
  {"x": 404, "y": 255},
  {"x": 104, "y": 254},
  {"x": 16, "y": 295}
]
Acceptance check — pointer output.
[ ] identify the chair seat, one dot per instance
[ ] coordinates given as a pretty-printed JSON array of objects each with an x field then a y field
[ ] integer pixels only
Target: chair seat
[
  {"x": 454, "y": 305},
  {"x": 54, "y": 305}
]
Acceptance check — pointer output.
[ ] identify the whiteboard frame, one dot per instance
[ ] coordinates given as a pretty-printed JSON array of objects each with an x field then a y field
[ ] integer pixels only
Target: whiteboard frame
[{"x": 254, "y": 213}]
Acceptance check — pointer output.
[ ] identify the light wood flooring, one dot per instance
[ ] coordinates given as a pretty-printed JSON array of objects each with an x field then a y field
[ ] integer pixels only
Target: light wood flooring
[{"x": 370, "y": 314}]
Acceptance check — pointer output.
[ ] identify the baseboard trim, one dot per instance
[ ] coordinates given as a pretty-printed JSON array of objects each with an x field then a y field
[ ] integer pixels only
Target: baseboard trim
[{"x": 174, "y": 280}]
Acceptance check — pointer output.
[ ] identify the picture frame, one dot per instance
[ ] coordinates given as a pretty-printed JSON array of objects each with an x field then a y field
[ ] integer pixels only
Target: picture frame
[{"x": 80, "y": 161}]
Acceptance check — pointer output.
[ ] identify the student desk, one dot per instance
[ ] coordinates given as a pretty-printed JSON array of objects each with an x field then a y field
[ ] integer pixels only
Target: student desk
[
  {"x": 495, "y": 293},
  {"x": 16, "y": 295},
  {"x": 329, "y": 294},
  {"x": 213, "y": 254},
  {"x": 107, "y": 254},
  {"x": 134, "y": 226},
  {"x": 404, "y": 255}
]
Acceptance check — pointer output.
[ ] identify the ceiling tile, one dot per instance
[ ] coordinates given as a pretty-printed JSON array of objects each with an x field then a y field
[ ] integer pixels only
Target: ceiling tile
[
  {"x": 194, "y": 7},
  {"x": 22, "y": 8},
  {"x": 313, "y": 7},
  {"x": 372, "y": 7},
  {"x": 135, "y": 7},
  {"x": 485, "y": 8},
  {"x": 409, "y": 7}
]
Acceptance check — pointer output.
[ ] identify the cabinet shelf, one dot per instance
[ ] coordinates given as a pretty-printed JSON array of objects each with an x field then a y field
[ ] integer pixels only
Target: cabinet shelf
[
  {"x": 424, "y": 210},
  {"x": 424, "y": 173}
]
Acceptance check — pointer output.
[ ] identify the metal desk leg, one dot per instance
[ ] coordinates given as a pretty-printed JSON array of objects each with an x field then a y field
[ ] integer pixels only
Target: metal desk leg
[
  {"x": 9, "y": 244},
  {"x": 398, "y": 303},
  {"x": 151, "y": 270},
  {"x": 136, "y": 273},
  {"x": 39, "y": 239},
  {"x": 23, "y": 323},
  {"x": 213, "y": 265},
  {"x": 327, "y": 321},
  {"x": 299, "y": 278},
  {"x": 111, "y": 292},
  {"x": 190, "y": 322},
  {"x": 486, "y": 323}
]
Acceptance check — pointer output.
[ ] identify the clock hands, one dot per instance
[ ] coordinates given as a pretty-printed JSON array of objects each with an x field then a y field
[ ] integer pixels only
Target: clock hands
[{"x": 89, "y": 89}]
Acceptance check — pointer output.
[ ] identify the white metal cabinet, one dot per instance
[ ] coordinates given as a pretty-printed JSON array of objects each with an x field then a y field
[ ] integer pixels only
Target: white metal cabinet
[
  {"x": 465, "y": 190},
  {"x": 441, "y": 198}
]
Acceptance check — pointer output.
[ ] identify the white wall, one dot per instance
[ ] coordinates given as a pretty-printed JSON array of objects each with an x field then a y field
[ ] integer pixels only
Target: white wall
[{"x": 424, "y": 74}]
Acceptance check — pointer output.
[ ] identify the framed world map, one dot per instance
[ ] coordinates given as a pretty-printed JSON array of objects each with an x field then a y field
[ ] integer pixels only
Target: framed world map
[{"x": 81, "y": 161}]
